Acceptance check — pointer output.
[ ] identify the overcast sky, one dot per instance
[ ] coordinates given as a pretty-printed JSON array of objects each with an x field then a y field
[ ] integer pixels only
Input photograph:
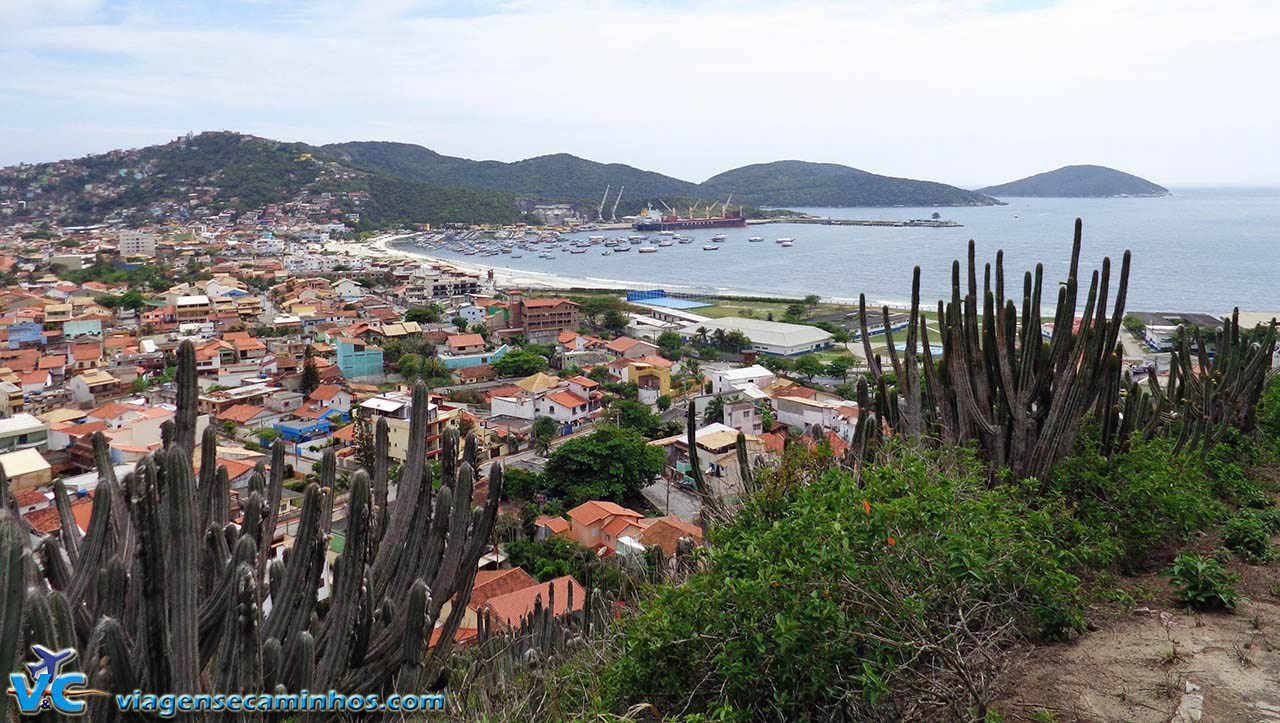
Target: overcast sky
[{"x": 968, "y": 92}]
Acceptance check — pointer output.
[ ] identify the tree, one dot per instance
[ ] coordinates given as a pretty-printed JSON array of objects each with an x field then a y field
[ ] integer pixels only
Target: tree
[
  {"x": 267, "y": 435},
  {"x": 310, "y": 376},
  {"x": 460, "y": 322},
  {"x": 520, "y": 363},
  {"x": 424, "y": 315},
  {"x": 670, "y": 341},
  {"x": 776, "y": 364},
  {"x": 635, "y": 415},
  {"x": 736, "y": 341},
  {"x": 694, "y": 367},
  {"x": 521, "y": 484},
  {"x": 795, "y": 311},
  {"x": 595, "y": 306},
  {"x": 138, "y": 386},
  {"x": 409, "y": 366},
  {"x": 664, "y": 402},
  {"x": 608, "y": 464},
  {"x": 545, "y": 430},
  {"x": 599, "y": 374},
  {"x": 432, "y": 368},
  {"x": 481, "y": 329},
  {"x": 714, "y": 411},
  {"x": 809, "y": 366},
  {"x": 717, "y": 338},
  {"x": 811, "y": 300},
  {"x": 839, "y": 367},
  {"x": 615, "y": 321},
  {"x": 701, "y": 335},
  {"x": 229, "y": 428}
]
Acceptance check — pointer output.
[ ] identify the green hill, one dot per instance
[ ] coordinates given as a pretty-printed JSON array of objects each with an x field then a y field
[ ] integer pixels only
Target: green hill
[
  {"x": 1078, "y": 182},
  {"x": 800, "y": 183},
  {"x": 559, "y": 177}
]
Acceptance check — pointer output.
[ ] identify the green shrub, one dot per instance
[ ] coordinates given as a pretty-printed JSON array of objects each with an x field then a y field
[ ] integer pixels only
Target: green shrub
[
  {"x": 1249, "y": 535},
  {"x": 813, "y": 609},
  {"x": 1203, "y": 583}
]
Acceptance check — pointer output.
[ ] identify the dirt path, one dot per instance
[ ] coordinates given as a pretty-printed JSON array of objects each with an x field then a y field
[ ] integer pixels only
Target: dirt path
[{"x": 1152, "y": 663}]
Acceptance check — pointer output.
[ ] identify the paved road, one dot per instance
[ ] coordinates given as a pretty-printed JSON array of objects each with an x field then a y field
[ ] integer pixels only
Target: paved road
[{"x": 672, "y": 500}]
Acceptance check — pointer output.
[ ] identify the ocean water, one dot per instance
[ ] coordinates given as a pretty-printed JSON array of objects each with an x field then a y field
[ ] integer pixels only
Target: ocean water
[{"x": 1197, "y": 250}]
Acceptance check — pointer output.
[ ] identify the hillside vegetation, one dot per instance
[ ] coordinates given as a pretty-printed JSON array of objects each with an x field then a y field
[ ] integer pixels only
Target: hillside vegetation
[
  {"x": 799, "y": 183},
  {"x": 1078, "y": 182}
]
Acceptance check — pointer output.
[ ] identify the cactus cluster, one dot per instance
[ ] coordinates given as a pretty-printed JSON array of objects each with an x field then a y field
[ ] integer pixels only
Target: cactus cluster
[
  {"x": 1021, "y": 399},
  {"x": 167, "y": 594}
]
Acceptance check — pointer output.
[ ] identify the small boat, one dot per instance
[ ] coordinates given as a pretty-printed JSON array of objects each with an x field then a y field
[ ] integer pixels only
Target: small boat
[
  {"x": 710, "y": 247},
  {"x": 517, "y": 256},
  {"x": 578, "y": 251},
  {"x": 685, "y": 240},
  {"x": 718, "y": 237},
  {"x": 637, "y": 241},
  {"x": 546, "y": 256},
  {"x": 783, "y": 240},
  {"x": 787, "y": 244},
  {"x": 647, "y": 250},
  {"x": 755, "y": 239},
  {"x": 665, "y": 242},
  {"x": 606, "y": 252},
  {"x": 620, "y": 249},
  {"x": 666, "y": 233},
  {"x": 594, "y": 239}
]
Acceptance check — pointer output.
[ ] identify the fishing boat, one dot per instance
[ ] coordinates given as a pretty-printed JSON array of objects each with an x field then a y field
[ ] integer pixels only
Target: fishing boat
[
  {"x": 647, "y": 250},
  {"x": 710, "y": 247},
  {"x": 606, "y": 252},
  {"x": 755, "y": 239},
  {"x": 620, "y": 249},
  {"x": 578, "y": 251},
  {"x": 665, "y": 242},
  {"x": 718, "y": 237},
  {"x": 685, "y": 240},
  {"x": 783, "y": 240}
]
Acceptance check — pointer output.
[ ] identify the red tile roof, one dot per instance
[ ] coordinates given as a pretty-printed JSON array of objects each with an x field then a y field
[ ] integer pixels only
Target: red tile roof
[
  {"x": 240, "y": 413},
  {"x": 567, "y": 399},
  {"x": 510, "y": 608},
  {"x": 593, "y": 510},
  {"x": 494, "y": 583},
  {"x": 557, "y": 525}
]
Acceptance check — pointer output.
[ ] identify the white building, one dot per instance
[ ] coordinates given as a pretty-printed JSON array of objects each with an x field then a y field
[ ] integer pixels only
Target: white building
[
  {"x": 731, "y": 380},
  {"x": 137, "y": 243},
  {"x": 767, "y": 337}
]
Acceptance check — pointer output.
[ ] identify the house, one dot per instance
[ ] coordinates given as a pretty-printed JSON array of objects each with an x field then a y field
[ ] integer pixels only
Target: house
[
  {"x": 546, "y": 526},
  {"x": 26, "y": 469},
  {"x": 628, "y": 348},
  {"x": 597, "y": 524},
  {"x": 731, "y": 380},
  {"x": 744, "y": 416},
  {"x": 664, "y": 532},
  {"x": 247, "y": 416},
  {"x": 465, "y": 343},
  {"x": 94, "y": 385},
  {"x": 476, "y": 374},
  {"x": 562, "y": 595},
  {"x": 357, "y": 359},
  {"x": 473, "y": 359},
  {"x": 542, "y": 319},
  {"x": 331, "y": 396}
]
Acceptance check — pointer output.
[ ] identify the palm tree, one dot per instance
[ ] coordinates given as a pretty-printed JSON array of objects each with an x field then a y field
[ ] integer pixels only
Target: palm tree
[
  {"x": 701, "y": 335},
  {"x": 718, "y": 337}
]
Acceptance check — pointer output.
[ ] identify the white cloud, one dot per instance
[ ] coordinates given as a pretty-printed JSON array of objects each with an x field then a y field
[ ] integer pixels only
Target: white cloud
[{"x": 1176, "y": 91}]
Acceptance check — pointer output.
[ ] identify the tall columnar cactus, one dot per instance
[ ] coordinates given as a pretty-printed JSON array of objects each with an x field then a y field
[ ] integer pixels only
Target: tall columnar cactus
[
  {"x": 999, "y": 383},
  {"x": 691, "y": 438},
  {"x": 165, "y": 593}
]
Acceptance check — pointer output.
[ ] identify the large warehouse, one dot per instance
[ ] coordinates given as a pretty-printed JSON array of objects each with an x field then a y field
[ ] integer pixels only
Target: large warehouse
[{"x": 767, "y": 337}]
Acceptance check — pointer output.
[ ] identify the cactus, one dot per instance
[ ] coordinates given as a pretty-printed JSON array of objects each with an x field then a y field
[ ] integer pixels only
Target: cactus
[
  {"x": 164, "y": 593},
  {"x": 695, "y": 468},
  {"x": 998, "y": 383}
]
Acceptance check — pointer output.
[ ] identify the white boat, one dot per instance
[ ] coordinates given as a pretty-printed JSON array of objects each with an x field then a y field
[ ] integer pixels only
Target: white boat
[
  {"x": 517, "y": 256},
  {"x": 783, "y": 240},
  {"x": 546, "y": 256},
  {"x": 710, "y": 247},
  {"x": 620, "y": 249},
  {"x": 787, "y": 244},
  {"x": 755, "y": 239},
  {"x": 594, "y": 239},
  {"x": 578, "y": 251},
  {"x": 666, "y": 233},
  {"x": 634, "y": 239},
  {"x": 665, "y": 242},
  {"x": 718, "y": 237},
  {"x": 647, "y": 250},
  {"x": 685, "y": 240}
]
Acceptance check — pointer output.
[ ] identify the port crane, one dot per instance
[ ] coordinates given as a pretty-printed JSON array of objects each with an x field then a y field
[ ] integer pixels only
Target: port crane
[
  {"x": 600, "y": 211},
  {"x": 613, "y": 215},
  {"x": 669, "y": 209},
  {"x": 724, "y": 210}
]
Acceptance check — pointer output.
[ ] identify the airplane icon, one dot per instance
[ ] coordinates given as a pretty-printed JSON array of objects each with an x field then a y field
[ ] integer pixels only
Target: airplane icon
[{"x": 49, "y": 661}]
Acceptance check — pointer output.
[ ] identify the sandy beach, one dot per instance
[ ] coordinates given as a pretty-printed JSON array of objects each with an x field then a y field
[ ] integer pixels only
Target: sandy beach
[{"x": 380, "y": 247}]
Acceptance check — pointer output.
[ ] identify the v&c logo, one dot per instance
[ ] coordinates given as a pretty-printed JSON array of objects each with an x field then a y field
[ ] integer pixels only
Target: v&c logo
[{"x": 48, "y": 688}]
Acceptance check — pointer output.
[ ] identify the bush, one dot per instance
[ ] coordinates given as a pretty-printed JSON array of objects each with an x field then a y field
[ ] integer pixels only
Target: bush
[
  {"x": 1204, "y": 584},
  {"x": 1249, "y": 535},
  {"x": 814, "y": 608}
]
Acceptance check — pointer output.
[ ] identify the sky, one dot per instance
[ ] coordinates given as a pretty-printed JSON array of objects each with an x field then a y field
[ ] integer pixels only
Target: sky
[{"x": 968, "y": 92}]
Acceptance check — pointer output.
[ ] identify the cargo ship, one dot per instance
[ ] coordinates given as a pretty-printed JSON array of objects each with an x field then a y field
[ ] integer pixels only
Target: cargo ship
[{"x": 652, "y": 220}]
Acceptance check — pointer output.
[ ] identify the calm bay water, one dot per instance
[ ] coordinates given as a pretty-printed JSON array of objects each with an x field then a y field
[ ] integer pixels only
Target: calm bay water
[{"x": 1198, "y": 250}]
